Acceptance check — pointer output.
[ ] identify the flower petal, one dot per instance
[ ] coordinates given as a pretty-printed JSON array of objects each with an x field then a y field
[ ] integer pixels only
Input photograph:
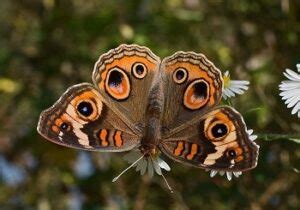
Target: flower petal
[
  {"x": 229, "y": 175},
  {"x": 144, "y": 166},
  {"x": 150, "y": 169},
  {"x": 139, "y": 165},
  {"x": 291, "y": 75},
  {"x": 289, "y": 86},
  {"x": 298, "y": 67},
  {"x": 250, "y": 131},
  {"x": 237, "y": 173},
  {"x": 238, "y": 91},
  {"x": 163, "y": 164},
  {"x": 213, "y": 173},
  {"x": 289, "y": 93},
  {"x": 240, "y": 82},
  {"x": 156, "y": 167},
  {"x": 230, "y": 92},
  {"x": 221, "y": 173},
  {"x": 293, "y": 101},
  {"x": 296, "y": 108}
]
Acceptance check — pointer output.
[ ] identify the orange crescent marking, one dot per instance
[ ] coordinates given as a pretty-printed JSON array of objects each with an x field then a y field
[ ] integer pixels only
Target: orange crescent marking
[
  {"x": 179, "y": 148},
  {"x": 238, "y": 151},
  {"x": 103, "y": 137},
  {"x": 103, "y": 75},
  {"x": 55, "y": 129},
  {"x": 126, "y": 63},
  {"x": 193, "y": 151},
  {"x": 118, "y": 139},
  {"x": 58, "y": 122},
  {"x": 239, "y": 158}
]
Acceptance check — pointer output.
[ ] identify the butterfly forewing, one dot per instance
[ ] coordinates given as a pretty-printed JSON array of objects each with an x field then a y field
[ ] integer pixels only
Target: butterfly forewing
[
  {"x": 124, "y": 77},
  {"x": 192, "y": 86}
]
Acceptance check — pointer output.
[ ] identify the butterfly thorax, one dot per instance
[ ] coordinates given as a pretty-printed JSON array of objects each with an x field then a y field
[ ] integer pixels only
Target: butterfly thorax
[{"x": 149, "y": 150}]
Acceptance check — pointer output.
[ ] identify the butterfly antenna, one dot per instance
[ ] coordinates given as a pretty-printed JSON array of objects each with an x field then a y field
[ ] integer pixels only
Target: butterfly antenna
[
  {"x": 117, "y": 177},
  {"x": 169, "y": 187},
  {"x": 164, "y": 178}
]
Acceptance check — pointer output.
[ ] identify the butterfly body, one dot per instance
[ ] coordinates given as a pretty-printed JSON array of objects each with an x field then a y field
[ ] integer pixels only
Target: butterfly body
[
  {"x": 168, "y": 106},
  {"x": 154, "y": 111}
]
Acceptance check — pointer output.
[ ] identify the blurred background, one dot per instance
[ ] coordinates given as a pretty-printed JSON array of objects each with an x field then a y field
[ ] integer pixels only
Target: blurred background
[{"x": 48, "y": 45}]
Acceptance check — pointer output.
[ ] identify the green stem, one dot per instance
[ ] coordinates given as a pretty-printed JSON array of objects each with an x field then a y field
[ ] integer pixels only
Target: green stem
[
  {"x": 272, "y": 137},
  {"x": 228, "y": 102}
]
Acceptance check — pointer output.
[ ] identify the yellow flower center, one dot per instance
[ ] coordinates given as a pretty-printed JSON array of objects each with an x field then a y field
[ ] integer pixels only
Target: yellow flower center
[{"x": 226, "y": 79}]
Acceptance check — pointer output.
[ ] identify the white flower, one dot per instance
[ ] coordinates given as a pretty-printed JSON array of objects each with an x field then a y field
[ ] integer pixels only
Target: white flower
[
  {"x": 232, "y": 87},
  {"x": 148, "y": 164},
  {"x": 229, "y": 174},
  {"x": 290, "y": 90}
]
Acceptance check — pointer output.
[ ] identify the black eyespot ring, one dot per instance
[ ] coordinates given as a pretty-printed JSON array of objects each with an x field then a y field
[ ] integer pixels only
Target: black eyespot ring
[
  {"x": 139, "y": 70},
  {"x": 65, "y": 126},
  {"x": 219, "y": 130},
  {"x": 117, "y": 83},
  {"x": 231, "y": 153},
  {"x": 85, "y": 108},
  {"x": 180, "y": 75}
]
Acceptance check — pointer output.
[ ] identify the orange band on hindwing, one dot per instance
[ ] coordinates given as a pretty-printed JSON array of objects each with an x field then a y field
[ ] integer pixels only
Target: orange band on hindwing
[
  {"x": 179, "y": 149},
  {"x": 186, "y": 150},
  {"x": 55, "y": 129},
  {"x": 103, "y": 137},
  {"x": 193, "y": 152},
  {"x": 118, "y": 141}
]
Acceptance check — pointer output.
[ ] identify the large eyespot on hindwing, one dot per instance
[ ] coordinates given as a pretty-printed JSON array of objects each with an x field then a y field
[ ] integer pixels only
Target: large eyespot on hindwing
[
  {"x": 218, "y": 127},
  {"x": 180, "y": 75},
  {"x": 117, "y": 84},
  {"x": 86, "y": 107},
  {"x": 139, "y": 70},
  {"x": 217, "y": 131},
  {"x": 196, "y": 94}
]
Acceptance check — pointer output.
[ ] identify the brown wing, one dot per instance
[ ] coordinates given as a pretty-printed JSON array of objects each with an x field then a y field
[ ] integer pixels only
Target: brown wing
[
  {"x": 80, "y": 119},
  {"x": 218, "y": 141},
  {"x": 192, "y": 87},
  {"x": 124, "y": 77}
]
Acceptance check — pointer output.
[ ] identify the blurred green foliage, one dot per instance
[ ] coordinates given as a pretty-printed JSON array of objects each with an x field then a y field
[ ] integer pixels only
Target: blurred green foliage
[{"x": 48, "y": 45}]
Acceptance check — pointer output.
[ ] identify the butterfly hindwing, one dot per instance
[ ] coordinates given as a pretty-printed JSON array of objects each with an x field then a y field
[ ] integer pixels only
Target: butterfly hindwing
[
  {"x": 218, "y": 141},
  {"x": 81, "y": 120}
]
